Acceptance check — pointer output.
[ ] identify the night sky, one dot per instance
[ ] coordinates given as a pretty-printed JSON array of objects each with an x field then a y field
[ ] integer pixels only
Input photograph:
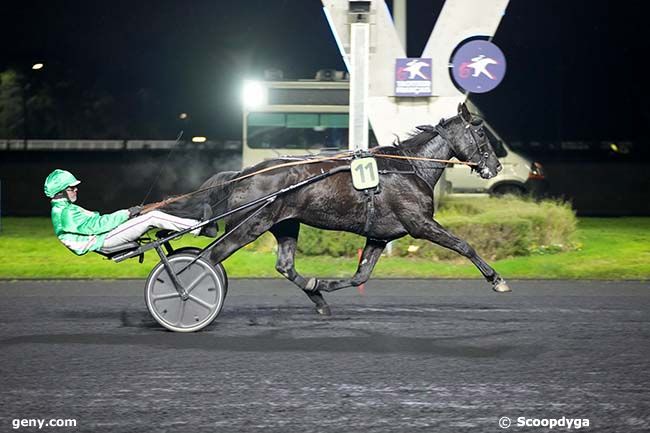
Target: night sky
[{"x": 575, "y": 68}]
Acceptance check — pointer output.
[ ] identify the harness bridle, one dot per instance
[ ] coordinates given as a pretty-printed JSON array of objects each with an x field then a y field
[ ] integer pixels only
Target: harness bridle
[{"x": 479, "y": 147}]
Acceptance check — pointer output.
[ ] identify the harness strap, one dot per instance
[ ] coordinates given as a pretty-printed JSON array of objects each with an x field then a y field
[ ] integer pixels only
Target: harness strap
[
  {"x": 370, "y": 206},
  {"x": 441, "y": 132},
  {"x": 370, "y": 209}
]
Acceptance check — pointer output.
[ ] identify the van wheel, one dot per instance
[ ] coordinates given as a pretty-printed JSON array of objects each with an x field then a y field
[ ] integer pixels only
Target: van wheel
[{"x": 508, "y": 189}]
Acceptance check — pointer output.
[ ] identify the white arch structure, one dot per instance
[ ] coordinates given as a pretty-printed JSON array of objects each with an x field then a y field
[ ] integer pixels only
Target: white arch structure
[{"x": 369, "y": 50}]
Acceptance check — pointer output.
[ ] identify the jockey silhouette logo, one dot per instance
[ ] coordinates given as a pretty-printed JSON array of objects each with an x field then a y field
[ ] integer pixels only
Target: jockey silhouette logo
[{"x": 478, "y": 66}]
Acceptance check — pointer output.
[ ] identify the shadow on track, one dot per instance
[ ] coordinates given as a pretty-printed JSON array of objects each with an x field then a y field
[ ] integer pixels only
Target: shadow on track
[{"x": 373, "y": 342}]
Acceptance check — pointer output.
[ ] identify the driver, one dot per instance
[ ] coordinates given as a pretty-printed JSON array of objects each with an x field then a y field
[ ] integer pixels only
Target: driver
[{"x": 81, "y": 230}]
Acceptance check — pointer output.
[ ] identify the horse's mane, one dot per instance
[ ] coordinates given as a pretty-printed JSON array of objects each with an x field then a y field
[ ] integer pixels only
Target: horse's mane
[{"x": 422, "y": 135}]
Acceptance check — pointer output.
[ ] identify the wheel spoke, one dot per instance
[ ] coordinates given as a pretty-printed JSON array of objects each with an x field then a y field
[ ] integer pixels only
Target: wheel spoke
[
  {"x": 165, "y": 296},
  {"x": 202, "y": 302},
  {"x": 181, "y": 313},
  {"x": 196, "y": 282}
]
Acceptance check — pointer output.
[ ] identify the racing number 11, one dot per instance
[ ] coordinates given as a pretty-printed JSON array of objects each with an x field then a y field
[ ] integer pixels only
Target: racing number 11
[
  {"x": 364, "y": 173},
  {"x": 362, "y": 168}
]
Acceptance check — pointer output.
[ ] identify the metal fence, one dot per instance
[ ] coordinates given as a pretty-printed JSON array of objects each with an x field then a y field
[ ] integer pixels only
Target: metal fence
[{"x": 20, "y": 145}]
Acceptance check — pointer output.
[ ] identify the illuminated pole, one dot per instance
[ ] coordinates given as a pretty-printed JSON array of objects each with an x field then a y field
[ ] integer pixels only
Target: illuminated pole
[{"x": 359, "y": 59}]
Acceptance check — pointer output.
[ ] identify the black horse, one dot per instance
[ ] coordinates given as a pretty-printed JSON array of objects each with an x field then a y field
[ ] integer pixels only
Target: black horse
[{"x": 403, "y": 205}]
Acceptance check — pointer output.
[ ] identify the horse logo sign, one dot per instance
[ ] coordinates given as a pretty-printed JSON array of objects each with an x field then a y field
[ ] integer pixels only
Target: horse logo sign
[
  {"x": 413, "y": 77},
  {"x": 478, "y": 66}
]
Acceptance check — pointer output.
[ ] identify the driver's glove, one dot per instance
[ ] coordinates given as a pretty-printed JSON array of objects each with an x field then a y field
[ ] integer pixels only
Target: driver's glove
[{"x": 134, "y": 211}]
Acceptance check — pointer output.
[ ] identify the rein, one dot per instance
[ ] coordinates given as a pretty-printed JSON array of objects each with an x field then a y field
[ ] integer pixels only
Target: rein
[
  {"x": 156, "y": 205},
  {"x": 341, "y": 156},
  {"x": 420, "y": 158},
  {"x": 169, "y": 154}
]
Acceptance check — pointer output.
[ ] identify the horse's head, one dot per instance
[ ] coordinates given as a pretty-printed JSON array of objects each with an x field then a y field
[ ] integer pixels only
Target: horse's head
[{"x": 466, "y": 136}]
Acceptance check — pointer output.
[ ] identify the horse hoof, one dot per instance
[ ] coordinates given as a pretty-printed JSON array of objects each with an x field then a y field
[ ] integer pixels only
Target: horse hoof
[
  {"x": 501, "y": 287},
  {"x": 324, "y": 310}
]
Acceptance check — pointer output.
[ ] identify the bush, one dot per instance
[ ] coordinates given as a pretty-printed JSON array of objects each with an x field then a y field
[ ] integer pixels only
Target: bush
[
  {"x": 495, "y": 227},
  {"x": 315, "y": 242},
  {"x": 492, "y": 239},
  {"x": 500, "y": 227}
]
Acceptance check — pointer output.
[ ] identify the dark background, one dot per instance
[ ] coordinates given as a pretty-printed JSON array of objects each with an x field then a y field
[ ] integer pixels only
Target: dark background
[
  {"x": 125, "y": 70},
  {"x": 574, "y": 67}
]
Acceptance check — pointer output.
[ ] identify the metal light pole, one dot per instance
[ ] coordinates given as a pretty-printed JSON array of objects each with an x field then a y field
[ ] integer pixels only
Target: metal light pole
[
  {"x": 359, "y": 12},
  {"x": 25, "y": 121}
]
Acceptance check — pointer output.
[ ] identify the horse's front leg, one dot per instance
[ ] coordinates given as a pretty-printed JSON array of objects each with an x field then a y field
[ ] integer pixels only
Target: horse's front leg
[
  {"x": 371, "y": 253},
  {"x": 434, "y": 232}
]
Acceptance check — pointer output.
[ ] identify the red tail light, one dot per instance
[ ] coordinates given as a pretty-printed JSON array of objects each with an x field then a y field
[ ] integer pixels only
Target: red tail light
[{"x": 536, "y": 171}]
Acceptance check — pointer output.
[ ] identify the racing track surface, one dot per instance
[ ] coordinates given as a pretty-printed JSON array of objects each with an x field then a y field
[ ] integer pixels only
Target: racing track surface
[{"x": 408, "y": 356}]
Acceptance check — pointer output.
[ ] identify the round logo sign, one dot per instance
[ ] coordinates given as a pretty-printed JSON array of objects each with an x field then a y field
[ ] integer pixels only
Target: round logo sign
[{"x": 478, "y": 66}]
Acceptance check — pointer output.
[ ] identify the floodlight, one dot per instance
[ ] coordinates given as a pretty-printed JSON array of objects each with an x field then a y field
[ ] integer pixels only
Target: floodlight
[
  {"x": 37, "y": 66},
  {"x": 253, "y": 94},
  {"x": 199, "y": 139}
]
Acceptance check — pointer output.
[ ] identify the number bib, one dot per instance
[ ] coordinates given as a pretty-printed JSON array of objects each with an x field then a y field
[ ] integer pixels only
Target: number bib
[{"x": 364, "y": 173}]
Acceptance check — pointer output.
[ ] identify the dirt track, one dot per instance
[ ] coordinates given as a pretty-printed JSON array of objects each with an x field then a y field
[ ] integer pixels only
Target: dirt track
[{"x": 409, "y": 355}]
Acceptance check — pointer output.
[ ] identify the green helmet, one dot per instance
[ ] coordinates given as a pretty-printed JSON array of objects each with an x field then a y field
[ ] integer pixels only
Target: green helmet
[{"x": 59, "y": 180}]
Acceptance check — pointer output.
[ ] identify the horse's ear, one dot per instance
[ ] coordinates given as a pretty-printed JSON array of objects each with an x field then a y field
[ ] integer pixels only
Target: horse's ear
[{"x": 464, "y": 113}]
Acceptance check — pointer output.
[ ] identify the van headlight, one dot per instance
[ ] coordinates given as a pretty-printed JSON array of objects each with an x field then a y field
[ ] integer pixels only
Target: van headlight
[{"x": 536, "y": 171}]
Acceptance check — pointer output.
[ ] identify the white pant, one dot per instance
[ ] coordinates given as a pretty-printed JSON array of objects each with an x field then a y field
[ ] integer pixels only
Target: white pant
[{"x": 134, "y": 228}]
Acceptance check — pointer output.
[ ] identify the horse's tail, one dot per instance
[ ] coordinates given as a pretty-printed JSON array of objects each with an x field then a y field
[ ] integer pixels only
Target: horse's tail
[{"x": 210, "y": 200}]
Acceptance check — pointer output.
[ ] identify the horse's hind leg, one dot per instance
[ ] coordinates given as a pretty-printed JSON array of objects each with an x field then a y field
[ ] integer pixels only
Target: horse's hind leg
[
  {"x": 437, "y": 234},
  {"x": 286, "y": 233},
  {"x": 233, "y": 240},
  {"x": 371, "y": 254}
]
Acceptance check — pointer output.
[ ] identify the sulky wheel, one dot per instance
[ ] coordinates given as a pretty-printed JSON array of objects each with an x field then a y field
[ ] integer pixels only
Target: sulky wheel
[
  {"x": 196, "y": 251},
  {"x": 204, "y": 284}
]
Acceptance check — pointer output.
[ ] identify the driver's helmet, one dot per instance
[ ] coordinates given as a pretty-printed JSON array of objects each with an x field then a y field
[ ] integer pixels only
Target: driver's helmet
[{"x": 59, "y": 180}]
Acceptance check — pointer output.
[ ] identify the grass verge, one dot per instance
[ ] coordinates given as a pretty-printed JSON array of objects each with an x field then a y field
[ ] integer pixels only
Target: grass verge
[{"x": 610, "y": 248}]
